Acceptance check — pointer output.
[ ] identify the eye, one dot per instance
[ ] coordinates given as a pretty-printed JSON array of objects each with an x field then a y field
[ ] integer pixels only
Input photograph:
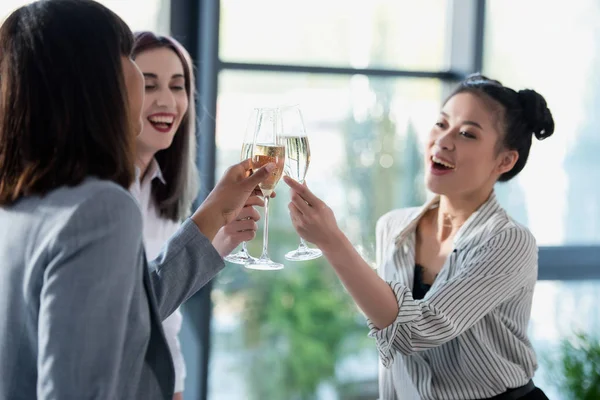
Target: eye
[
  {"x": 439, "y": 124},
  {"x": 177, "y": 88},
  {"x": 467, "y": 135},
  {"x": 150, "y": 87}
]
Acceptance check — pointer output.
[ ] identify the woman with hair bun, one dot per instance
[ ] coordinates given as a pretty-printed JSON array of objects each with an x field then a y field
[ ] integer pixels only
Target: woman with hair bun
[{"x": 451, "y": 300}]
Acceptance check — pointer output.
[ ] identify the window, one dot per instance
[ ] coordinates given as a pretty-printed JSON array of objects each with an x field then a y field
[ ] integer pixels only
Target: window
[
  {"x": 557, "y": 55},
  {"x": 138, "y": 14},
  {"x": 560, "y": 60},
  {"x": 362, "y": 34}
]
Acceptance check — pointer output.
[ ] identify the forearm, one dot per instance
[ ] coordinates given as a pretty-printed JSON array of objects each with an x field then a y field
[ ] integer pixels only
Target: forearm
[
  {"x": 187, "y": 262},
  {"x": 372, "y": 294}
]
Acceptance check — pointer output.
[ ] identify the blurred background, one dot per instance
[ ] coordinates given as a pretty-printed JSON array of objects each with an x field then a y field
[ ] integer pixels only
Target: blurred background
[{"x": 370, "y": 76}]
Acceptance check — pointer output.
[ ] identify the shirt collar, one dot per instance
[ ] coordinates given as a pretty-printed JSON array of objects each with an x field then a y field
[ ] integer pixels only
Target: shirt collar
[
  {"x": 155, "y": 172},
  {"x": 465, "y": 233}
]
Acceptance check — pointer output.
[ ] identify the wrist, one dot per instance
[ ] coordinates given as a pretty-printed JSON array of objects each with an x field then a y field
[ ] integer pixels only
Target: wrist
[
  {"x": 208, "y": 221},
  {"x": 335, "y": 242}
]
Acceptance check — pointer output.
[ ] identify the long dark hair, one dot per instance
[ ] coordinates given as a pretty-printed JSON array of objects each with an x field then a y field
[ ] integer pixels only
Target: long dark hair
[
  {"x": 178, "y": 161},
  {"x": 63, "y": 99},
  {"x": 524, "y": 114}
]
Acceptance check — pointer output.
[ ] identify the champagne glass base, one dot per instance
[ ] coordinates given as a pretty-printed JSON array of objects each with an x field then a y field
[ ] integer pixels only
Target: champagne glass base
[
  {"x": 303, "y": 254},
  {"x": 241, "y": 257},
  {"x": 263, "y": 264}
]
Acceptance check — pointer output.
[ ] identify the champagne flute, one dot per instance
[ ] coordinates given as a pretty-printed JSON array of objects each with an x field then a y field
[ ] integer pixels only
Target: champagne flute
[
  {"x": 297, "y": 160},
  {"x": 269, "y": 147},
  {"x": 242, "y": 256}
]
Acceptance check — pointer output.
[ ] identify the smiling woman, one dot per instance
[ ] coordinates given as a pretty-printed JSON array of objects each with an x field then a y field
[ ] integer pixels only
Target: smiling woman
[
  {"x": 167, "y": 179},
  {"x": 168, "y": 136},
  {"x": 450, "y": 307},
  {"x": 166, "y": 182}
]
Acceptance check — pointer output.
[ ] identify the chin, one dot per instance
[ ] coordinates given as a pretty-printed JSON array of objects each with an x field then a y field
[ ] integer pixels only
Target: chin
[
  {"x": 162, "y": 145},
  {"x": 435, "y": 186}
]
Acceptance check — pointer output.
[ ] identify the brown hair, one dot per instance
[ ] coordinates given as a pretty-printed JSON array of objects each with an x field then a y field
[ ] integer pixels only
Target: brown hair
[
  {"x": 63, "y": 103},
  {"x": 63, "y": 99},
  {"x": 178, "y": 161}
]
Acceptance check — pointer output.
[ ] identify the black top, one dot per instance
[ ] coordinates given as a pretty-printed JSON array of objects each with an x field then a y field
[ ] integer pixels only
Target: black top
[{"x": 420, "y": 288}]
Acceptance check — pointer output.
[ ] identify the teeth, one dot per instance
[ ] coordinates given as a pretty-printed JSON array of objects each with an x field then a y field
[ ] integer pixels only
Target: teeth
[
  {"x": 444, "y": 163},
  {"x": 161, "y": 119}
]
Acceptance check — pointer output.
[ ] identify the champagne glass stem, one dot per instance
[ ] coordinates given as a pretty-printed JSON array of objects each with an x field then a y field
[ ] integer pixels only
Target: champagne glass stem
[
  {"x": 265, "y": 251},
  {"x": 302, "y": 245},
  {"x": 244, "y": 249}
]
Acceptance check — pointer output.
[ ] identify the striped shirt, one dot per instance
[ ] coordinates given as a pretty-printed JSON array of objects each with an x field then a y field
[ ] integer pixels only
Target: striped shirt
[{"x": 467, "y": 338}]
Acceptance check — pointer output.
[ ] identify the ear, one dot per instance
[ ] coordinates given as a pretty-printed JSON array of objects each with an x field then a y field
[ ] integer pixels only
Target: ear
[{"x": 507, "y": 160}]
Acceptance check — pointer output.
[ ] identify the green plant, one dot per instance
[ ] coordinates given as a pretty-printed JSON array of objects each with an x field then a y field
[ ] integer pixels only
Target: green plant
[
  {"x": 575, "y": 367},
  {"x": 297, "y": 323}
]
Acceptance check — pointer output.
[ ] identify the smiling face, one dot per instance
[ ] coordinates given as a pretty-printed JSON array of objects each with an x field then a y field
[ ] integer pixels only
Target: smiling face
[
  {"x": 166, "y": 101},
  {"x": 464, "y": 154}
]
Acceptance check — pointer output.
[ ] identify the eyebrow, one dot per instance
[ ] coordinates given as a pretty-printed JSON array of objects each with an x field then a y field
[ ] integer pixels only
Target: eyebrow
[
  {"x": 154, "y": 76},
  {"x": 473, "y": 123}
]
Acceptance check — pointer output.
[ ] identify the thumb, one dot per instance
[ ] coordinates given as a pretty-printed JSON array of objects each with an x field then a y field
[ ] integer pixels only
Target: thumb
[{"x": 258, "y": 176}]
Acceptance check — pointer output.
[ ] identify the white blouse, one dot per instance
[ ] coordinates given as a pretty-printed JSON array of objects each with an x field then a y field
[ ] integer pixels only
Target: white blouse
[
  {"x": 467, "y": 338},
  {"x": 157, "y": 230}
]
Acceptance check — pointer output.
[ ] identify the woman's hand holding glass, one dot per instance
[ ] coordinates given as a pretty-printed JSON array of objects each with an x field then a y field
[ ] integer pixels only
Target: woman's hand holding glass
[
  {"x": 312, "y": 218},
  {"x": 230, "y": 194},
  {"x": 241, "y": 230}
]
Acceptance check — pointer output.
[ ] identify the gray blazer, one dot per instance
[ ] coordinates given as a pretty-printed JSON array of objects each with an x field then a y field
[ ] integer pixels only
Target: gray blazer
[{"x": 80, "y": 306}]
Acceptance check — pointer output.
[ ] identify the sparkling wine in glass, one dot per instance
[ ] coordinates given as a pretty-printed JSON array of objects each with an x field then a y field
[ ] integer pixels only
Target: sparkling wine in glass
[
  {"x": 242, "y": 256},
  {"x": 269, "y": 147},
  {"x": 297, "y": 160}
]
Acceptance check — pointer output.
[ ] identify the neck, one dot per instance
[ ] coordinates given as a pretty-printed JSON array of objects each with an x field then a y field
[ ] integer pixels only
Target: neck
[
  {"x": 143, "y": 161},
  {"x": 453, "y": 212}
]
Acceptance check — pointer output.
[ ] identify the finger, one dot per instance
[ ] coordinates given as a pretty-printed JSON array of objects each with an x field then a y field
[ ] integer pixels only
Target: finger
[
  {"x": 254, "y": 201},
  {"x": 248, "y": 213},
  {"x": 303, "y": 191},
  {"x": 258, "y": 192},
  {"x": 295, "y": 215},
  {"x": 240, "y": 170},
  {"x": 240, "y": 226},
  {"x": 257, "y": 177},
  {"x": 245, "y": 236},
  {"x": 300, "y": 203},
  {"x": 245, "y": 165}
]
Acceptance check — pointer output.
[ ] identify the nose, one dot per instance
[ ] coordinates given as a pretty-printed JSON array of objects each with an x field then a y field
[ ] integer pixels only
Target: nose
[
  {"x": 165, "y": 98},
  {"x": 445, "y": 140}
]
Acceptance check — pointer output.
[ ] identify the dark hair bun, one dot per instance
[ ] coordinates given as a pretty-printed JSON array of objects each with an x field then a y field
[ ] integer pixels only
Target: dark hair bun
[{"x": 536, "y": 113}]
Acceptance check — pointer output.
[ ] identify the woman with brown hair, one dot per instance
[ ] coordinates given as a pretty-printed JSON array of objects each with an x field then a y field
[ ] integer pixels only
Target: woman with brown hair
[
  {"x": 167, "y": 182},
  {"x": 80, "y": 306}
]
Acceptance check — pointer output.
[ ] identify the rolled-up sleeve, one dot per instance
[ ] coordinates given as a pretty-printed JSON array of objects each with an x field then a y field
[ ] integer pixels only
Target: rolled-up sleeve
[{"x": 489, "y": 275}]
